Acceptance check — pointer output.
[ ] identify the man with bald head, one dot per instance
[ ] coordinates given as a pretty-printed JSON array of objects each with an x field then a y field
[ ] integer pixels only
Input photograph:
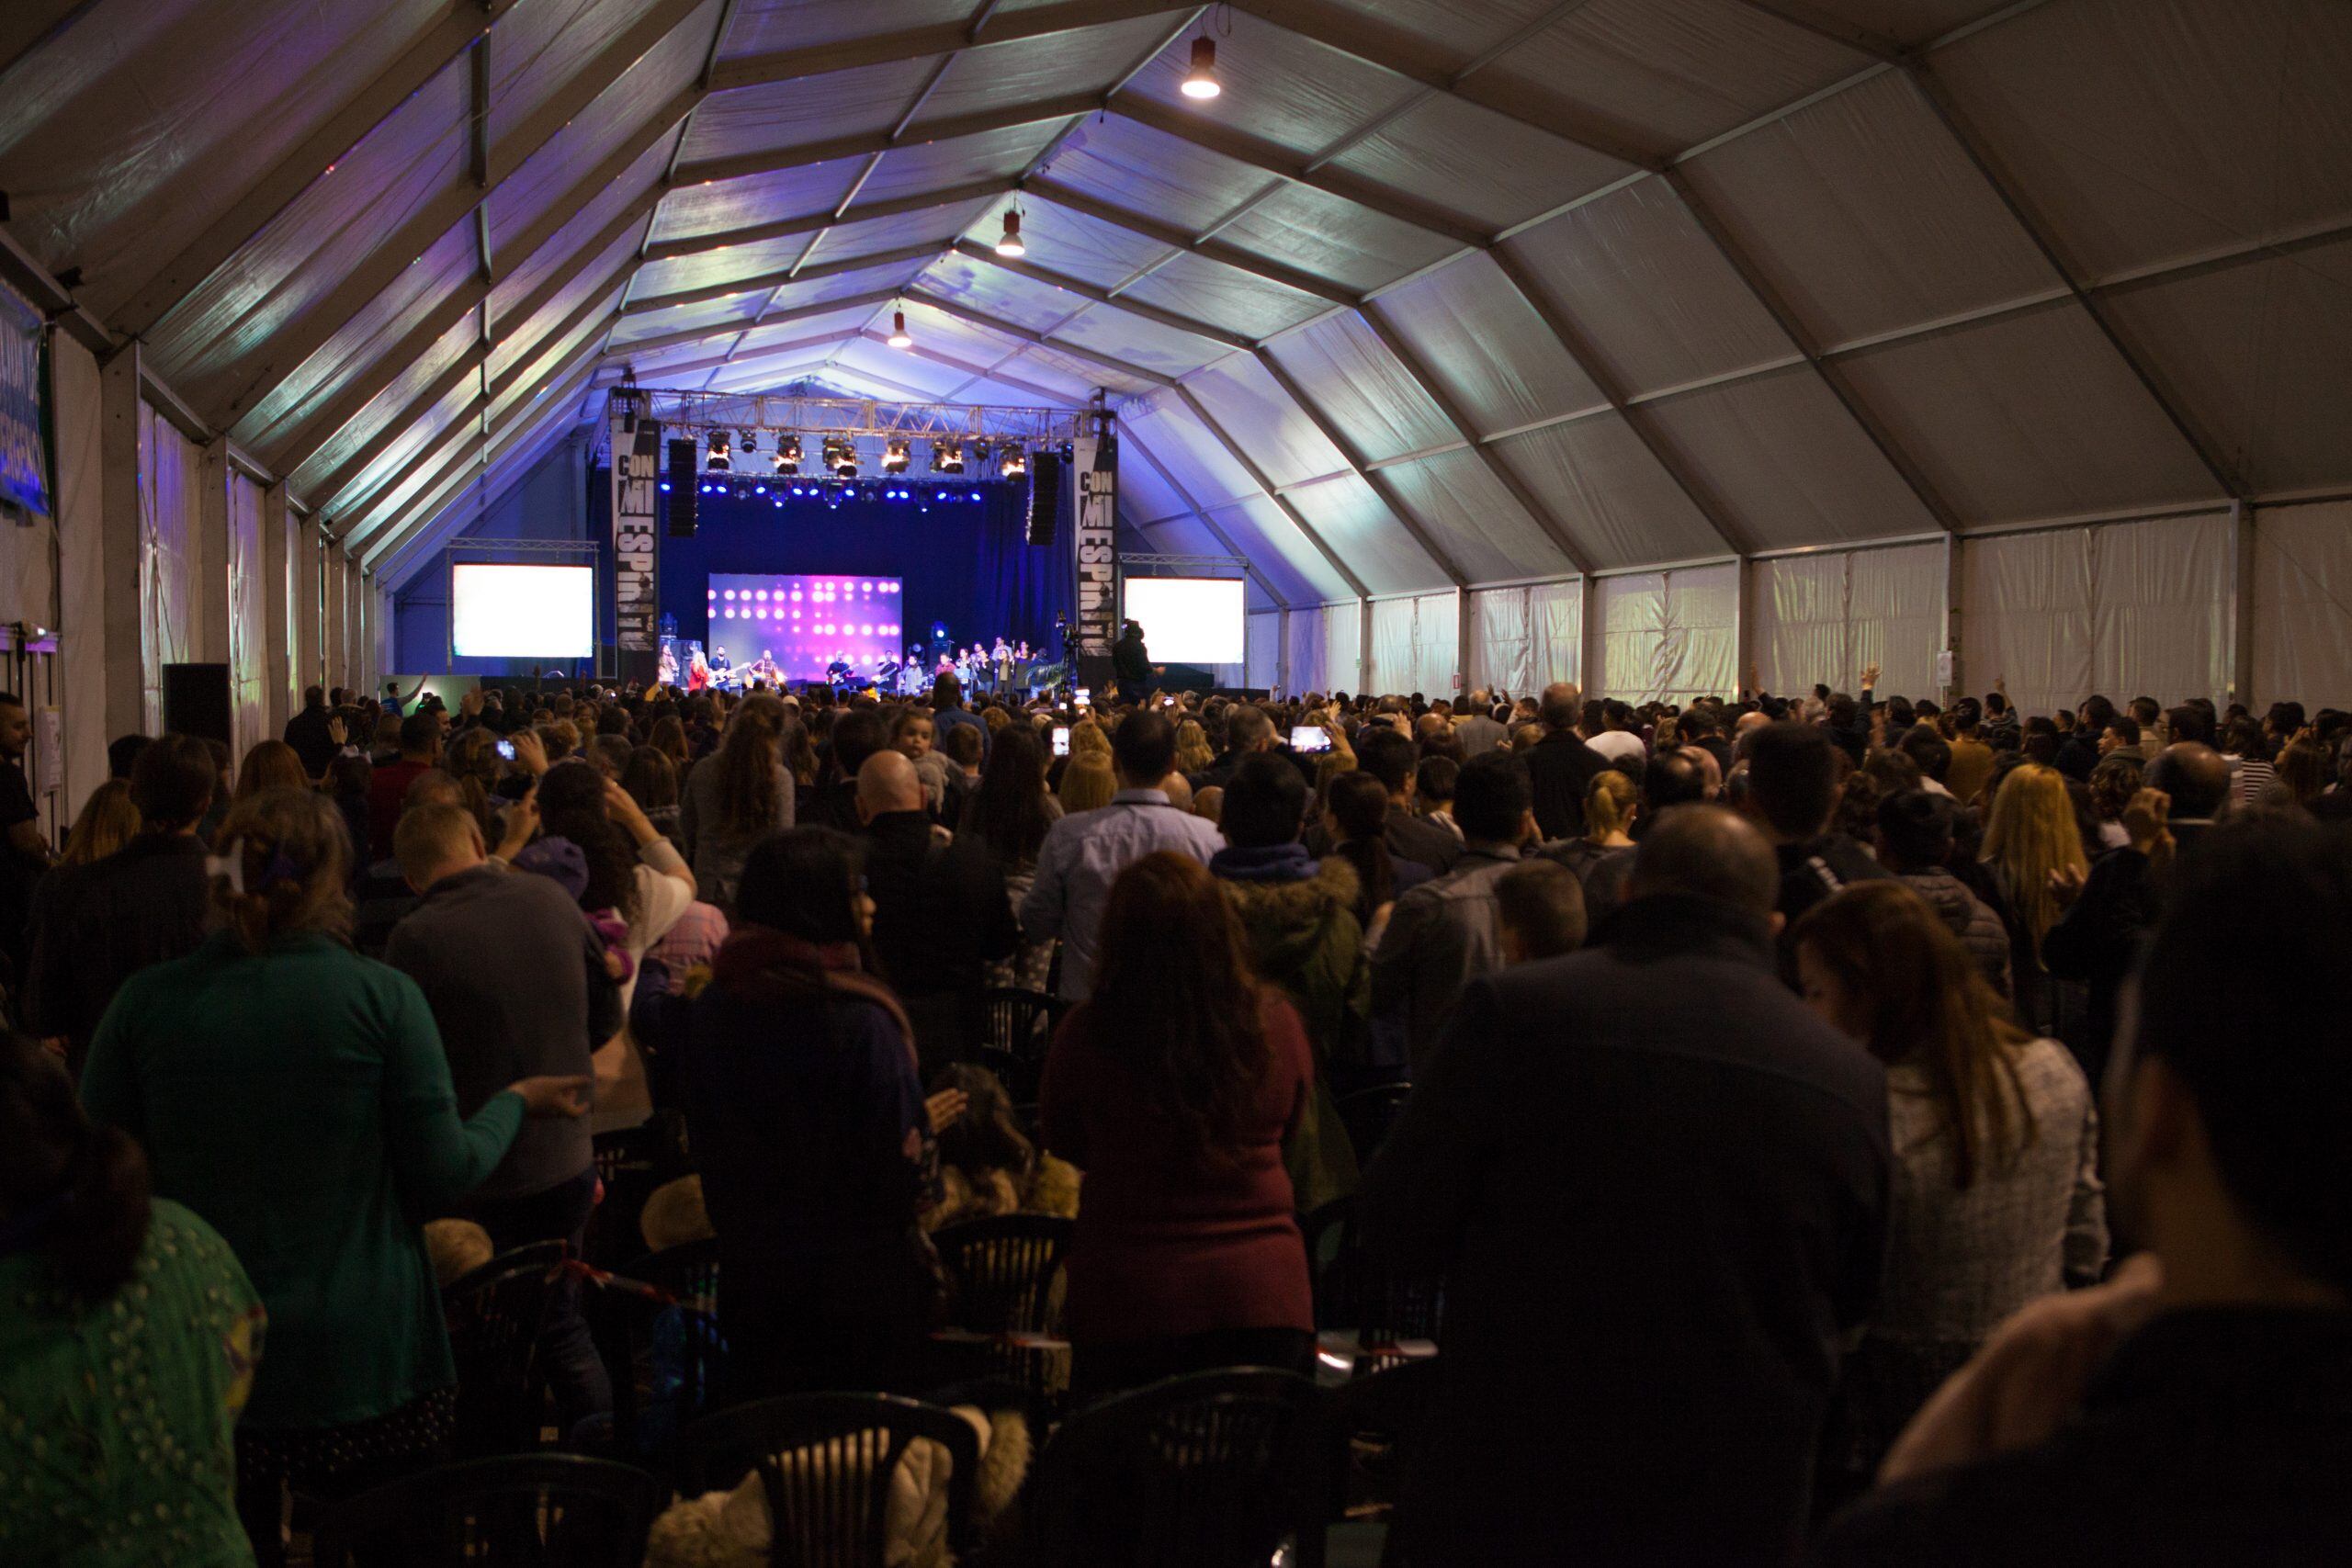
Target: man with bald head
[
  {"x": 1561, "y": 765},
  {"x": 941, "y": 910},
  {"x": 1657, "y": 1187}
]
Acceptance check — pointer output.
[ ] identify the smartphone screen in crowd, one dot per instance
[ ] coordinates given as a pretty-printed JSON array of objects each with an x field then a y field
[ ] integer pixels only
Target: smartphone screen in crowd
[
  {"x": 506, "y": 749},
  {"x": 1061, "y": 740},
  {"x": 1309, "y": 737}
]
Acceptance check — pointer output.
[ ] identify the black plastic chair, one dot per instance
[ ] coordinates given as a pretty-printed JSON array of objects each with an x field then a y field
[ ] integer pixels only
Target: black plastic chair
[
  {"x": 1369, "y": 1114},
  {"x": 656, "y": 1328},
  {"x": 1355, "y": 1290},
  {"x": 1016, "y": 1027},
  {"x": 494, "y": 1316},
  {"x": 1006, "y": 1272},
  {"x": 1215, "y": 1470},
  {"x": 632, "y": 1164},
  {"x": 825, "y": 1462},
  {"x": 1371, "y": 1424},
  {"x": 536, "y": 1511}
]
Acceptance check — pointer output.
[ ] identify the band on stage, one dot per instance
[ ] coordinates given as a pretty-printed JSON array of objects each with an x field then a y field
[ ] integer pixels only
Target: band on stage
[{"x": 1001, "y": 669}]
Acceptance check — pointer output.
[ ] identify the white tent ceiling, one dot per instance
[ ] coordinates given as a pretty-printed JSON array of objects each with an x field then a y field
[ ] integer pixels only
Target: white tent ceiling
[{"x": 1436, "y": 294}]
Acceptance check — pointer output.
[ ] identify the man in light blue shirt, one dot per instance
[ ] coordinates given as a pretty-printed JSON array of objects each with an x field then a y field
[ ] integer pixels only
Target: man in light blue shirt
[{"x": 1084, "y": 854}]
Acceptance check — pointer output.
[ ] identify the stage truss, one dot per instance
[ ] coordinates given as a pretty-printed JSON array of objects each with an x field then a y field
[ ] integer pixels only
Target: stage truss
[{"x": 865, "y": 420}]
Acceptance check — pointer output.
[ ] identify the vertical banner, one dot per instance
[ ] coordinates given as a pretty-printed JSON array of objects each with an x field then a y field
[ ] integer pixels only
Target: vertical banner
[
  {"x": 1094, "y": 465},
  {"x": 24, "y": 466},
  {"x": 637, "y": 499}
]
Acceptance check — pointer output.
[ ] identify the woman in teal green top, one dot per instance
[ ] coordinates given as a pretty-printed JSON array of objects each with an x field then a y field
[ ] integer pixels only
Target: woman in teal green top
[
  {"x": 127, "y": 1339},
  {"x": 295, "y": 1097}
]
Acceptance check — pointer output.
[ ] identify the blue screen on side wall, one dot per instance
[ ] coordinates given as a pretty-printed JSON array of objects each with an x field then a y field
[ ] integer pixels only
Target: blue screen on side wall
[{"x": 806, "y": 622}]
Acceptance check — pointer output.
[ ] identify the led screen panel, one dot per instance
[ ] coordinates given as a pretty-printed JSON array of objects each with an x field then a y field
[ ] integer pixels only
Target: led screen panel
[
  {"x": 522, "y": 611},
  {"x": 1190, "y": 620}
]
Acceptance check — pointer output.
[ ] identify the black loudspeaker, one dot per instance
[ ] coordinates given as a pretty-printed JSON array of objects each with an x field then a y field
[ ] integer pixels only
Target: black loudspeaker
[
  {"x": 1044, "y": 496},
  {"x": 196, "y": 701},
  {"x": 683, "y": 481}
]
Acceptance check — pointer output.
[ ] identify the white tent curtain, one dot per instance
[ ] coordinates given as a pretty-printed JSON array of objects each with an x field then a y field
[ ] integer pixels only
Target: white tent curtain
[
  {"x": 247, "y": 589},
  {"x": 1303, "y": 650},
  {"x": 171, "y": 508},
  {"x": 1668, "y": 635},
  {"x": 2302, "y": 605},
  {"x": 1523, "y": 638},
  {"x": 1342, "y": 647},
  {"x": 1823, "y": 617},
  {"x": 1264, "y": 643},
  {"x": 1414, "y": 644},
  {"x": 2128, "y": 609}
]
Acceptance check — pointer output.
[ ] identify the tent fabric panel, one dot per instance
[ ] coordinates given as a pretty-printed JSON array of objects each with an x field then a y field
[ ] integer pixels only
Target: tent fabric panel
[
  {"x": 1907, "y": 21},
  {"x": 710, "y": 269},
  {"x": 1082, "y": 374},
  {"x": 1243, "y": 397},
  {"x": 379, "y": 323},
  {"x": 538, "y": 48},
  {"x": 651, "y": 86},
  {"x": 1274, "y": 544},
  {"x": 801, "y": 294},
  {"x": 371, "y": 426},
  {"x": 1357, "y": 525},
  {"x": 1452, "y": 33},
  {"x": 775, "y": 117},
  {"x": 1262, "y": 641},
  {"x": 1343, "y": 647},
  {"x": 2151, "y": 132},
  {"x": 717, "y": 206},
  {"x": 1487, "y": 347},
  {"x": 1502, "y": 654},
  {"x": 1896, "y": 603},
  {"x": 1279, "y": 86},
  {"x": 1789, "y": 463},
  {"x": 2303, "y": 610},
  {"x": 1639, "y": 277},
  {"x": 1108, "y": 330},
  {"x": 1087, "y": 61},
  {"x": 1610, "y": 492},
  {"x": 1303, "y": 652},
  {"x": 118, "y": 139},
  {"x": 1157, "y": 175},
  {"x": 1479, "y": 525},
  {"x": 939, "y": 226},
  {"x": 1357, "y": 385},
  {"x": 874, "y": 359},
  {"x": 1316, "y": 232},
  {"x": 1195, "y": 459},
  {"x": 771, "y": 27},
  {"x": 1667, "y": 74},
  {"x": 2025, "y": 617},
  {"x": 920, "y": 168},
  {"x": 171, "y": 510},
  {"x": 2160, "y": 608},
  {"x": 1023, "y": 301},
  {"x": 1866, "y": 216},
  {"x": 1457, "y": 156},
  {"x": 552, "y": 361},
  {"x": 1669, "y": 636},
  {"x": 1413, "y": 644},
  {"x": 519, "y": 276},
  {"x": 398, "y": 450},
  {"x": 516, "y": 340},
  {"x": 1800, "y": 632},
  {"x": 1554, "y": 634},
  {"x": 733, "y": 309},
  {"x": 323, "y": 236},
  {"x": 2258, "y": 353},
  {"x": 1253, "y": 307},
  {"x": 248, "y": 591},
  {"x": 2030, "y": 417}
]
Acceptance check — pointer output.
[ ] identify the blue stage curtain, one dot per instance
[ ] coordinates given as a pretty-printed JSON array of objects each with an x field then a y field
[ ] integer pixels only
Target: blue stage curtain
[{"x": 1025, "y": 585}]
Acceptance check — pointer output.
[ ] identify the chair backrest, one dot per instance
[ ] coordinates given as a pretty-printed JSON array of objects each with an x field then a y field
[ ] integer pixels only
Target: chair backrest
[
  {"x": 825, "y": 1462},
  {"x": 656, "y": 1328},
  {"x": 1213, "y": 1470},
  {"x": 1355, "y": 1290},
  {"x": 556, "y": 1510},
  {"x": 632, "y": 1163},
  {"x": 494, "y": 1314},
  {"x": 1003, "y": 1269},
  {"x": 1016, "y": 1027}
]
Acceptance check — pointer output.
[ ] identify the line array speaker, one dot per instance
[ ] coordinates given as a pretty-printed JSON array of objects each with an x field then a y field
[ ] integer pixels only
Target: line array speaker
[
  {"x": 681, "y": 489},
  {"x": 1044, "y": 496}
]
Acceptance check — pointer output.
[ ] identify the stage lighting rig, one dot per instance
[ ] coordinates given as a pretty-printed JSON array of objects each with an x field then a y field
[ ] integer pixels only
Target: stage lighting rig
[
  {"x": 840, "y": 457},
  {"x": 719, "y": 461},
  {"x": 946, "y": 457},
  {"x": 1014, "y": 464},
  {"x": 751, "y": 440},
  {"x": 894, "y": 458},
  {"x": 787, "y": 456}
]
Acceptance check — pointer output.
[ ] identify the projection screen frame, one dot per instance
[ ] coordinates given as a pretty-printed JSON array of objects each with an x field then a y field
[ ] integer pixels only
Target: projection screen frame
[
  {"x": 1219, "y": 569},
  {"x": 581, "y": 559}
]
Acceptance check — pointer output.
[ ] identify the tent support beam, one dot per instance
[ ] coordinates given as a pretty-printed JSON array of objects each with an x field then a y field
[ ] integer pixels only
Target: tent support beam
[
  {"x": 870, "y": 299},
  {"x": 769, "y": 282},
  {"x": 811, "y": 222},
  {"x": 1980, "y": 153},
  {"x": 1832, "y": 375},
  {"x": 2242, "y": 570}
]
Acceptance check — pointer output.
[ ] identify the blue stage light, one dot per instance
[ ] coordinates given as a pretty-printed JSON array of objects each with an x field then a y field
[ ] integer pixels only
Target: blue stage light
[
  {"x": 665, "y": 487},
  {"x": 759, "y": 490}
]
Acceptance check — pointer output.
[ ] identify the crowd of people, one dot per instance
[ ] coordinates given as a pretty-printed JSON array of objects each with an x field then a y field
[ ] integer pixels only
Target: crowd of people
[{"x": 1841, "y": 1125}]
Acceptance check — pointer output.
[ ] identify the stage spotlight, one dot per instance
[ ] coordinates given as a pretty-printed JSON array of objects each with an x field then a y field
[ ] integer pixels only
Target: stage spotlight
[
  {"x": 894, "y": 458},
  {"x": 899, "y": 336},
  {"x": 946, "y": 457},
  {"x": 840, "y": 457},
  {"x": 787, "y": 456},
  {"x": 1201, "y": 81},
  {"x": 1014, "y": 464},
  {"x": 1010, "y": 244},
  {"x": 751, "y": 440},
  {"x": 718, "y": 462}
]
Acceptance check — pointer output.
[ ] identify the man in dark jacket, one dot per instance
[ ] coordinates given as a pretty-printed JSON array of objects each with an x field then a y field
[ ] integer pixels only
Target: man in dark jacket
[
  {"x": 1130, "y": 663},
  {"x": 1915, "y": 836},
  {"x": 1657, "y": 1187},
  {"x": 145, "y": 903},
  {"x": 2219, "y": 1428},
  {"x": 307, "y": 732},
  {"x": 1393, "y": 759},
  {"x": 518, "y": 986},
  {"x": 1561, "y": 765},
  {"x": 1791, "y": 795},
  {"x": 941, "y": 911}
]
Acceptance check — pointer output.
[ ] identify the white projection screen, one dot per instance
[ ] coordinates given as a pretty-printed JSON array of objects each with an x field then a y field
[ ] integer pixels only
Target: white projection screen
[
  {"x": 1191, "y": 620},
  {"x": 522, "y": 611}
]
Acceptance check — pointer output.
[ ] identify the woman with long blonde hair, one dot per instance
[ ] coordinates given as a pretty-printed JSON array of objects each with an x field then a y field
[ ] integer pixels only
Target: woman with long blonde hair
[
  {"x": 2031, "y": 835},
  {"x": 109, "y": 820},
  {"x": 1192, "y": 753},
  {"x": 270, "y": 764},
  {"x": 1088, "y": 783}
]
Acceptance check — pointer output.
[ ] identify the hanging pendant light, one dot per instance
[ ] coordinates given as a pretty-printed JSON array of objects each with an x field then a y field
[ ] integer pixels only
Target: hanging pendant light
[
  {"x": 1010, "y": 244},
  {"x": 1201, "y": 81},
  {"x": 898, "y": 335}
]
